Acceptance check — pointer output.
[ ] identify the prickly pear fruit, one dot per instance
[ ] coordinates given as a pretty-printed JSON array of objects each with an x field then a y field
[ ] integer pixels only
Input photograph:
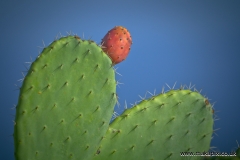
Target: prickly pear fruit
[{"x": 117, "y": 43}]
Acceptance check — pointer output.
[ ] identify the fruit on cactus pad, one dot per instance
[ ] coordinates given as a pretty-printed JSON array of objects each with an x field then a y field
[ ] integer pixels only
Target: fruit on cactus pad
[{"x": 117, "y": 43}]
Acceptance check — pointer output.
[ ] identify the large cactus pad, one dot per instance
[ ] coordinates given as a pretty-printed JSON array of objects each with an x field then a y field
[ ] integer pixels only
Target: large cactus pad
[
  {"x": 66, "y": 99},
  {"x": 160, "y": 128}
]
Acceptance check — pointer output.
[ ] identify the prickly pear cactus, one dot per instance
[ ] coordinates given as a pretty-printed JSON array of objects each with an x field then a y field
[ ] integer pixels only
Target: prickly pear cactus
[
  {"x": 67, "y": 100},
  {"x": 160, "y": 128},
  {"x": 65, "y": 103}
]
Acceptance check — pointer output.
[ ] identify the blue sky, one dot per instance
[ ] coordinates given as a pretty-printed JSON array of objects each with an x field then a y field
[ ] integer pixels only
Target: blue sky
[{"x": 195, "y": 42}]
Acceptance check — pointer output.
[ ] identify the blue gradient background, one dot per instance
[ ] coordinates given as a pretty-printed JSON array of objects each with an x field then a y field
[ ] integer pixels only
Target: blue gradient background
[{"x": 173, "y": 41}]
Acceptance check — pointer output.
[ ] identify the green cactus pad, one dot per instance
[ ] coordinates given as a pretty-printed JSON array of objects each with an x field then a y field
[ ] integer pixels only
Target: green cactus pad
[
  {"x": 160, "y": 128},
  {"x": 66, "y": 99}
]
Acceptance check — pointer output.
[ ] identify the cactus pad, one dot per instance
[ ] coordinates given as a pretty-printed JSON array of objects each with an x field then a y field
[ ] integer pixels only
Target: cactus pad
[
  {"x": 66, "y": 99},
  {"x": 160, "y": 128}
]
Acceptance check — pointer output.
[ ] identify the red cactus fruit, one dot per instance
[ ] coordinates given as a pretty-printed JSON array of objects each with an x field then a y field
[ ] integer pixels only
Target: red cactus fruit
[{"x": 117, "y": 43}]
